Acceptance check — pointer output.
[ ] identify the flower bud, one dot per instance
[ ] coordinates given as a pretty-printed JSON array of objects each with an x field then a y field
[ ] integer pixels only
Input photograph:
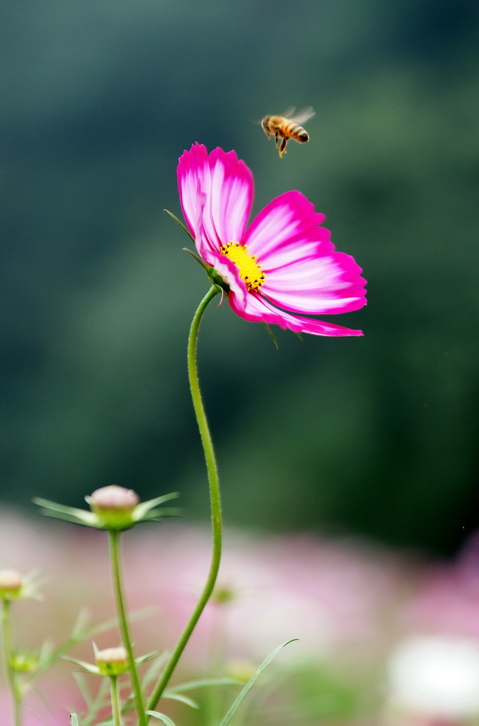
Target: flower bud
[
  {"x": 241, "y": 670},
  {"x": 114, "y": 505},
  {"x": 26, "y": 662},
  {"x": 11, "y": 583},
  {"x": 223, "y": 595},
  {"x": 112, "y": 661}
]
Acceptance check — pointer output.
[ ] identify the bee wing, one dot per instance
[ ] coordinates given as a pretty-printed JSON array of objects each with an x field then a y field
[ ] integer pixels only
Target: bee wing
[
  {"x": 303, "y": 115},
  {"x": 288, "y": 113}
]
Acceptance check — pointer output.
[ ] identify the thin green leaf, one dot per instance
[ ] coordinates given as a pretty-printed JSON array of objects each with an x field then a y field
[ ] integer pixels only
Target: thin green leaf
[
  {"x": 247, "y": 688},
  {"x": 161, "y": 717},
  {"x": 181, "y": 699},
  {"x": 94, "y": 705},
  {"x": 148, "y": 656},
  {"x": 80, "y": 623},
  {"x": 142, "y": 508},
  {"x": 83, "y": 688},
  {"x": 153, "y": 671},
  {"x": 89, "y": 667},
  {"x": 204, "y": 682},
  {"x": 156, "y": 514},
  {"x": 179, "y": 223},
  {"x": 68, "y": 514},
  {"x": 271, "y": 335}
]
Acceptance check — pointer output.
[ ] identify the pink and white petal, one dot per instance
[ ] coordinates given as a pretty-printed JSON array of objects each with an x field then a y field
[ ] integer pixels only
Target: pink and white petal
[
  {"x": 326, "y": 284},
  {"x": 192, "y": 167},
  {"x": 216, "y": 191},
  {"x": 258, "y": 309},
  {"x": 287, "y": 228},
  {"x": 229, "y": 197}
]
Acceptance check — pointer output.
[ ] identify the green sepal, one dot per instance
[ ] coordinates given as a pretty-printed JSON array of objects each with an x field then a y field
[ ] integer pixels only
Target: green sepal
[
  {"x": 146, "y": 512},
  {"x": 67, "y": 514},
  {"x": 89, "y": 667},
  {"x": 180, "y": 224},
  {"x": 216, "y": 280},
  {"x": 142, "y": 512},
  {"x": 271, "y": 335}
]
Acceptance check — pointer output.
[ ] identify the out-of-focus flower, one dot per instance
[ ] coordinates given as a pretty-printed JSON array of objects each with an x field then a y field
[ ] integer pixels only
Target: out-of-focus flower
[
  {"x": 15, "y": 586},
  {"x": 113, "y": 508},
  {"x": 11, "y": 583},
  {"x": 435, "y": 677},
  {"x": 283, "y": 263}
]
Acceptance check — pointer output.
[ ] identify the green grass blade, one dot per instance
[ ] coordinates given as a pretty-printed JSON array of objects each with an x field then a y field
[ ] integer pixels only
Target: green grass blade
[
  {"x": 244, "y": 691},
  {"x": 161, "y": 717}
]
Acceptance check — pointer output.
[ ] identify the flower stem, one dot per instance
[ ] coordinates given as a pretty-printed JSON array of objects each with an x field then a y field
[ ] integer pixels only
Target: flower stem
[
  {"x": 215, "y": 499},
  {"x": 114, "y": 536},
  {"x": 7, "y": 658},
  {"x": 115, "y": 702}
]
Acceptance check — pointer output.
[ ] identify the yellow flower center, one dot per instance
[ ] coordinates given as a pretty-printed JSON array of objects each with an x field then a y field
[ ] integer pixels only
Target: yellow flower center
[{"x": 246, "y": 263}]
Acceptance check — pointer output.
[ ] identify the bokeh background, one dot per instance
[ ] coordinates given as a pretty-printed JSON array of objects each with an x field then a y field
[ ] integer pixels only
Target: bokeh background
[{"x": 374, "y": 436}]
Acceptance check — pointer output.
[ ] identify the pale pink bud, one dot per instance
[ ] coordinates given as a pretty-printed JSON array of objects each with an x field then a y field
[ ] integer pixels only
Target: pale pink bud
[
  {"x": 112, "y": 661},
  {"x": 11, "y": 583},
  {"x": 114, "y": 505},
  {"x": 114, "y": 497}
]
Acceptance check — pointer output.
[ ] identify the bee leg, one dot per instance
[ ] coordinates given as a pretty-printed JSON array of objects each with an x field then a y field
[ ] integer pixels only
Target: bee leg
[{"x": 282, "y": 148}]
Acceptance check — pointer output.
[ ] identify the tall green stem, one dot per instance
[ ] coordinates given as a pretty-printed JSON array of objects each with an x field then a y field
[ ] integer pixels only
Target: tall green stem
[
  {"x": 115, "y": 700},
  {"x": 7, "y": 658},
  {"x": 215, "y": 500},
  {"x": 114, "y": 537}
]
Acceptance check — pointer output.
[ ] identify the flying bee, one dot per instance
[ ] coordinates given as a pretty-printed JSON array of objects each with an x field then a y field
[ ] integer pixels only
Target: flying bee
[{"x": 286, "y": 127}]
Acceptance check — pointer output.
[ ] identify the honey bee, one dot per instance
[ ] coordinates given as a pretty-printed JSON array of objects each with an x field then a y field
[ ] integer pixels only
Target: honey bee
[{"x": 286, "y": 127}]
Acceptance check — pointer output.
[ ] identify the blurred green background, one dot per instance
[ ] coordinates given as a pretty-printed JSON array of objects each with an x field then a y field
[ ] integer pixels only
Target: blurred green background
[{"x": 375, "y": 435}]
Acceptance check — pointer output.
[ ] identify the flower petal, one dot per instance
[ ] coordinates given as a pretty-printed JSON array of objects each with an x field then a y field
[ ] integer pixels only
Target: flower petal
[
  {"x": 216, "y": 193},
  {"x": 191, "y": 165},
  {"x": 327, "y": 284},
  {"x": 287, "y": 227},
  {"x": 258, "y": 310},
  {"x": 303, "y": 271}
]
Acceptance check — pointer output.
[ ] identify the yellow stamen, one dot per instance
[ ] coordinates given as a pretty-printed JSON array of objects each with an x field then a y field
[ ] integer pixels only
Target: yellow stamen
[{"x": 246, "y": 263}]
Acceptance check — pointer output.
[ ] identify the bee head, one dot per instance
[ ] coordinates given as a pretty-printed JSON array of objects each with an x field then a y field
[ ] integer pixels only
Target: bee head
[{"x": 264, "y": 122}]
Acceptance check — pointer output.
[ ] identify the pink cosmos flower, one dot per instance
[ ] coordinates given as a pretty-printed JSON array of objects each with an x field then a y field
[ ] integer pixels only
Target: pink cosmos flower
[{"x": 283, "y": 263}]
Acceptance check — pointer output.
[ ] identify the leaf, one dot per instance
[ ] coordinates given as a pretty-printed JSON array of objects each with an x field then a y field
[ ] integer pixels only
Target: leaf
[
  {"x": 190, "y": 685},
  {"x": 161, "y": 717},
  {"x": 67, "y": 514},
  {"x": 74, "y": 720},
  {"x": 94, "y": 704},
  {"x": 143, "y": 508},
  {"x": 244, "y": 691},
  {"x": 271, "y": 335},
  {"x": 89, "y": 667},
  {"x": 179, "y": 223},
  {"x": 181, "y": 699}
]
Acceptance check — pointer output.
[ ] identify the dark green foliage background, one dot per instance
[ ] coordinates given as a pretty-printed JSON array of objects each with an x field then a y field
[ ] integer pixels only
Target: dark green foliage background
[{"x": 374, "y": 435}]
